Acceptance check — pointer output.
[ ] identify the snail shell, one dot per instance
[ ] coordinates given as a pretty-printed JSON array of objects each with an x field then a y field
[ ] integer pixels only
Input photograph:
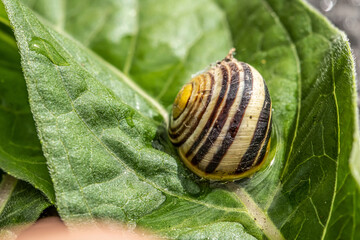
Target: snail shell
[{"x": 221, "y": 121}]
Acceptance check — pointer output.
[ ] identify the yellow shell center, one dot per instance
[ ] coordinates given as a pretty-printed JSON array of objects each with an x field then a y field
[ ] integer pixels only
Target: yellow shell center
[{"x": 181, "y": 100}]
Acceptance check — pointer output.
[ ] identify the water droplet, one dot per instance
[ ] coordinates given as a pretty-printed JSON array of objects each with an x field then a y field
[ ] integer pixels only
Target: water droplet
[
  {"x": 45, "y": 48},
  {"x": 327, "y": 5},
  {"x": 129, "y": 119}
]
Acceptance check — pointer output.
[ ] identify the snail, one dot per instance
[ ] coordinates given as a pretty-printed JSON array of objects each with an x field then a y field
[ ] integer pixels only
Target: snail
[{"x": 220, "y": 121}]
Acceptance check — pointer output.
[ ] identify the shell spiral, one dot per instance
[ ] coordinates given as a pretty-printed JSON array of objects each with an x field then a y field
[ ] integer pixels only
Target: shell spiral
[{"x": 221, "y": 121}]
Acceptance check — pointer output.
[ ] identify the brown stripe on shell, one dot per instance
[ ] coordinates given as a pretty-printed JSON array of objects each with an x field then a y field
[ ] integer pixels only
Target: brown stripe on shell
[
  {"x": 214, "y": 136},
  {"x": 199, "y": 94},
  {"x": 187, "y": 109},
  {"x": 259, "y": 136},
  {"x": 222, "y": 117},
  {"x": 195, "y": 120},
  {"x": 264, "y": 148},
  {"x": 188, "y": 112},
  {"x": 186, "y": 106},
  {"x": 211, "y": 119},
  {"x": 236, "y": 121}
]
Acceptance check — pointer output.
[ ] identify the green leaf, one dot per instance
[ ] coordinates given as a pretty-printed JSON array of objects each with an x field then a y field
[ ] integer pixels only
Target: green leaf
[
  {"x": 20, "y": 203},
  {"x": 64, "y": 88},
  {"x": 316, "y": 179},
  {"x": 107, "y": 149},
  {"x": 3, "y": 16},
  {"x": 157, "y": 44},
  {"x": 52, "y": 10},
  {"x": 20, "y": 150}
]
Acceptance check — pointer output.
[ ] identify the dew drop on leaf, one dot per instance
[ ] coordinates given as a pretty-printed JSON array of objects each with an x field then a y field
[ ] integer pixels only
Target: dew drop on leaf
[
  {"x": 45, "y": 48},
  {"x": 129, "y": 119}
]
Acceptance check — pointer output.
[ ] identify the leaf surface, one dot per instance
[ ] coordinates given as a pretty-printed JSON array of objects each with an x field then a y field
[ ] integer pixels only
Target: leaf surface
[
  {"x": 20, "y": 150},
  {"x": 107, "y": 148},
  {"x": 20, "y": 203},
  {"x": 157, "y": 44}
]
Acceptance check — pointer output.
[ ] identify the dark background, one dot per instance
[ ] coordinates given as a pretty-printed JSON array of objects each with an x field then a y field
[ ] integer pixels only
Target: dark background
[{"x": 345, "y": 14}]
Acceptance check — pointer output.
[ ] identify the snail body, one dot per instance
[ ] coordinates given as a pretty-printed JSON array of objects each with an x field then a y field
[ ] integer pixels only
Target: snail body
[{"x": 221, "y": 121}]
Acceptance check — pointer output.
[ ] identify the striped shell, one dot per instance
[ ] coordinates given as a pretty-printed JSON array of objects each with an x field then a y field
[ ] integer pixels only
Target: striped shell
[{"x": 221, "y": 121}]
